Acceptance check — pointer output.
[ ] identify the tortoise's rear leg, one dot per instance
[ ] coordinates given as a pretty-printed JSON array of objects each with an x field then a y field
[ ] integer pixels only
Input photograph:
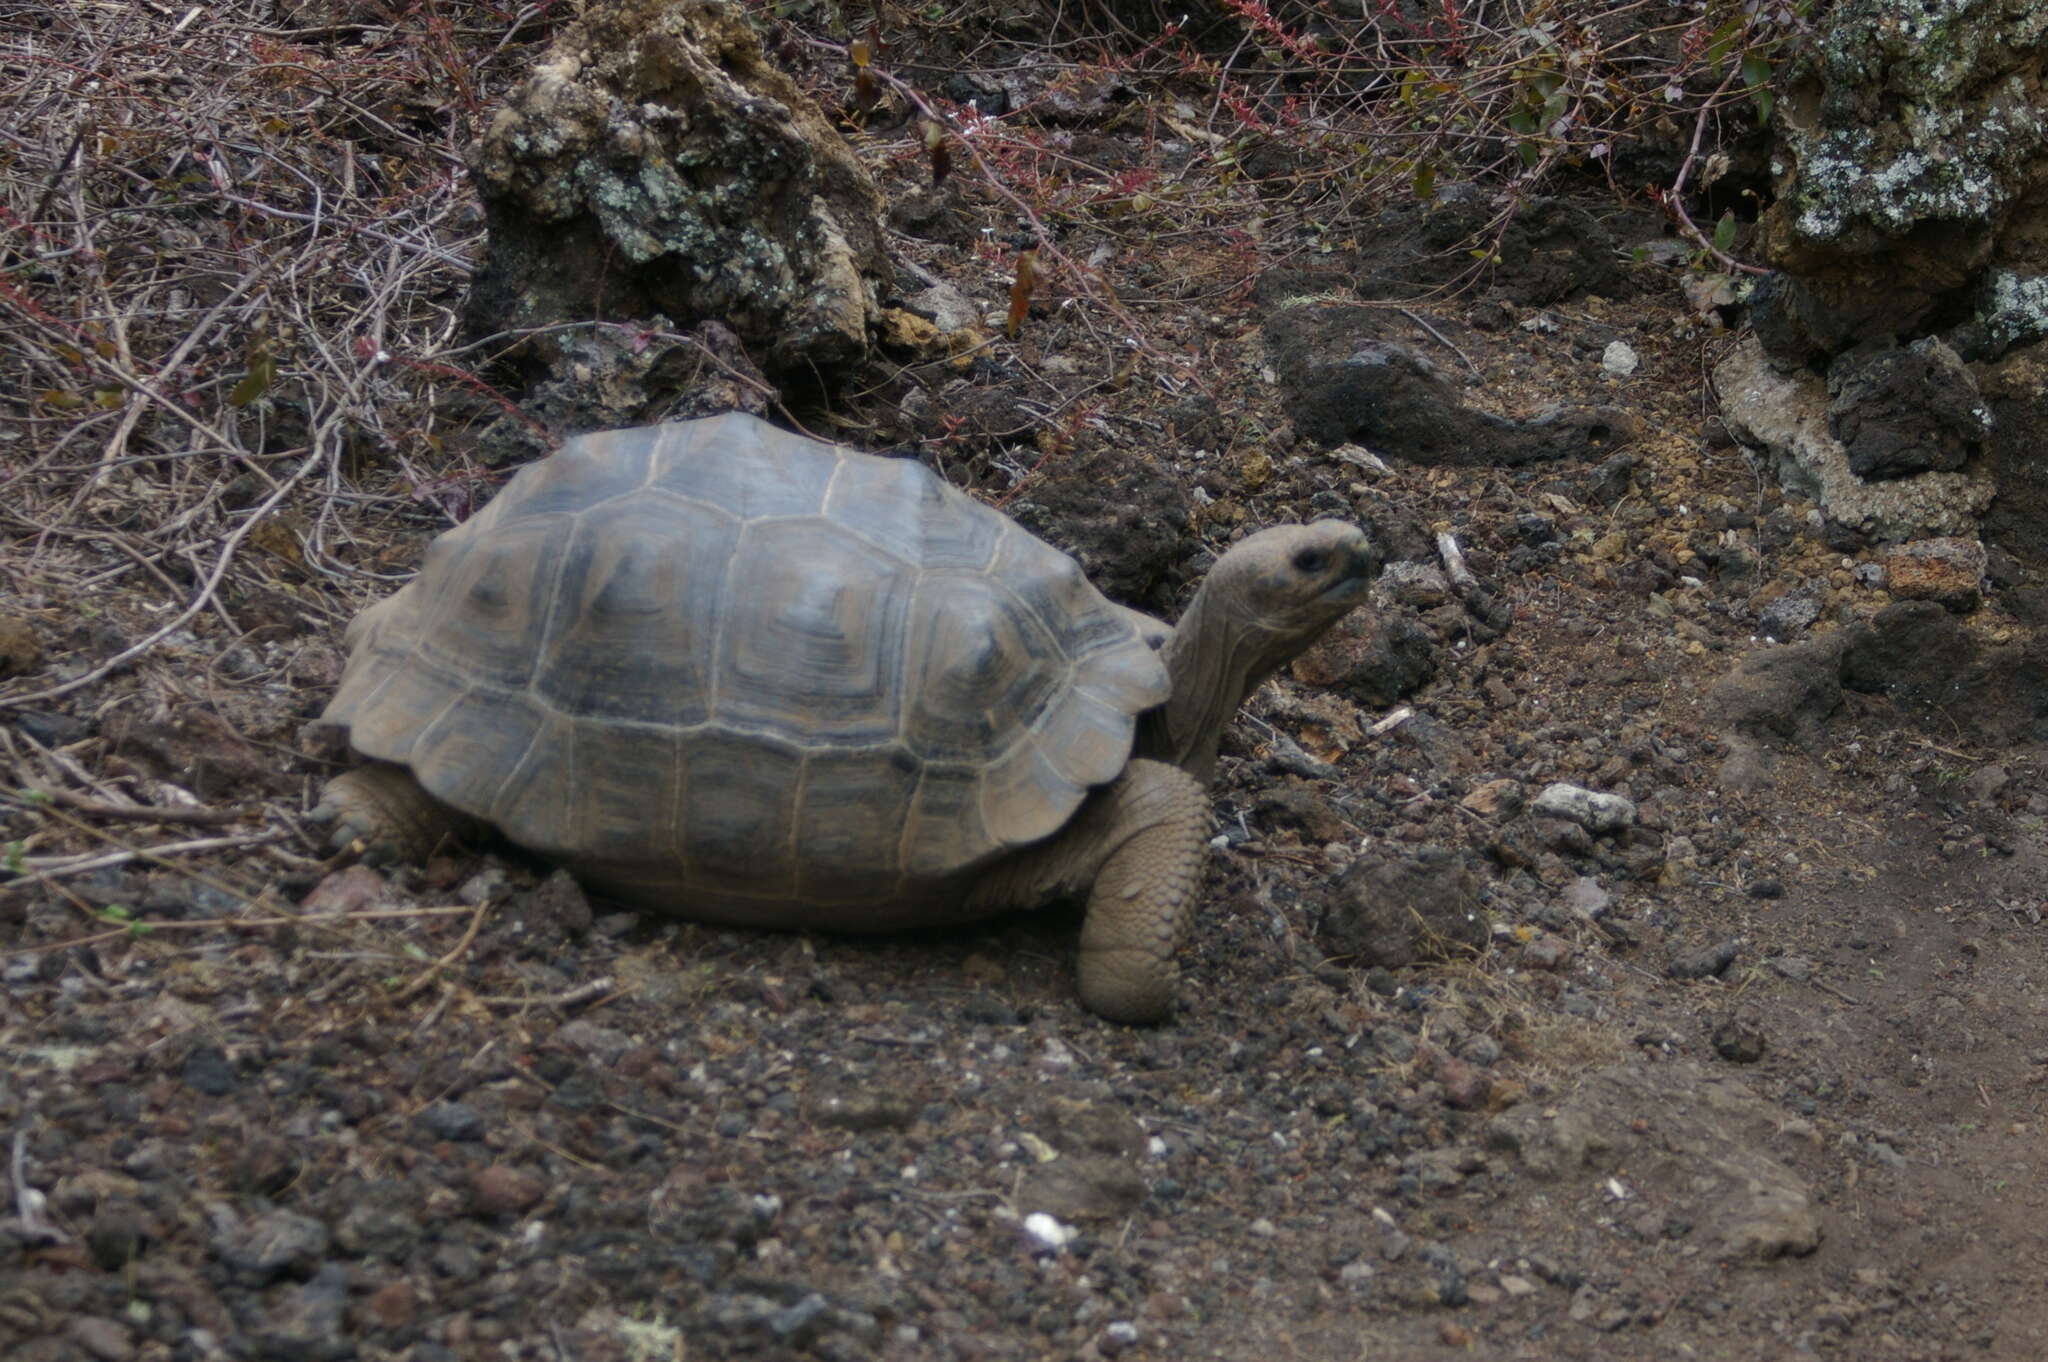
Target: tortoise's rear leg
[{"x": 385, "y": 807}]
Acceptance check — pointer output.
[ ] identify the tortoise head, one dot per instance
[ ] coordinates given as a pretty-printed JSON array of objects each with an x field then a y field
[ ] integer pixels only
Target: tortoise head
[
  {"x": 1286, "y": 585},
  {"x": 1268, "y": 598}
]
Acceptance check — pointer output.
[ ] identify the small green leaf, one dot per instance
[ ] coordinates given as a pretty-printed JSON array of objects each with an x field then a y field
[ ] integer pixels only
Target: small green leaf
[
  {"x": 1724, "y": 233},
  {"x": 1723, "y": 42},
  {"x": 1424, "y": 183},
  {"x": 262, "y": 369},
  {"x": 1756, "y": 71}
]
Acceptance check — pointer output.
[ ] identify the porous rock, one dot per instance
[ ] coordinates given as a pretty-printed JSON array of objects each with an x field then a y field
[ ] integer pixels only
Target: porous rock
[
  {"x": 1689, "y": 1140},
  {"x": 656, "y": 164},
  {"x": 1393, "y": 912},
  {"x": 1550, "y": 250},
  {"x": 2016, "y": 390},
  {"x": 1906, "y": 164},
  {"x": 1778, "y": 695},
  {"x": 1948, "y": 571},
  {"x": 1345, "y": 384},
  {"x": 1786, "y": 416},
  {"x": 1590, "y": 809},
  {"x": 1377, "y": 658},
  {"x": 1905, "y": 411}
]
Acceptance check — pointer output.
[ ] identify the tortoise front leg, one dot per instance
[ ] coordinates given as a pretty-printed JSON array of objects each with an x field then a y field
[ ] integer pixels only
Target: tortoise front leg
[
  {"x": 1153, "y": 824},
  {"x": 385, "y": 807}
]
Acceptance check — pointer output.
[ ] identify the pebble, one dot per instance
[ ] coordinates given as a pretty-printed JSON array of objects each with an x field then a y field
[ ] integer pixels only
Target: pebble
[
  {"x": 272, "y": 1244},
  {"x": 206, "y": 1071},
  {"x": 348, "y": 891},
  {"x": 1046, "y": 1233},
  {"x": 1493, "y": 796},
  {"x": 103, "y": 1338},
  {"x": 452, "y": 1121},
  {"x": 20, "y": 650},
  {"x": 1116, "y": 1337},
  {"x": 1704, "y": 963},
  {"x": 1546, "y": 952},
  {"x": 504, "y": 1190},
  {"x": 51, "y": 730},
  {"x": 115, "y": 1237},
  {"x": 1466, "y": 1086},
  {"x": 1619, "y": 359},
  {"x": 1585, "y": 895},
  {"x": 1986, "y": 783},
  {"x": 1481, "y": 1049},
  {"x": 308, "y": 1323},
  {"x": 603, "y": 1044},
  {"x": 1590, "y": 809},
  {"x": 380, "y": 1220},
  {"x": 1739, "y": 1041},
  {"x": 393, "y": 1304},
  {"x": 1788, "y": 616}
]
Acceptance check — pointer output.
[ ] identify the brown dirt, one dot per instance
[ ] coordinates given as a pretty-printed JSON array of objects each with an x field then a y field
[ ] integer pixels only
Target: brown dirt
[{"x": 261, "y": 1104}]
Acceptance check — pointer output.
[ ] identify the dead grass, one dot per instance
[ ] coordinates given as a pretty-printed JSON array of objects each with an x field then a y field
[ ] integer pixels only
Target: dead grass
[{"x": 230, "y": 260}]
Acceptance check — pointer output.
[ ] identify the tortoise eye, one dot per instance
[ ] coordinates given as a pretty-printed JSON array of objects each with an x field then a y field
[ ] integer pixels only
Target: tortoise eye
[{"x": 1310, "y": 560}]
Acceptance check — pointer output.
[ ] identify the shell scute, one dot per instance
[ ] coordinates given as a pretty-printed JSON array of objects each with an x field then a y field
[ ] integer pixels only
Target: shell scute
[
  {"x": 980, "y": 669},
  {"x": 813, "y": 637},
  {"x": 631, "y": 629},
  {"x": 746, "y": 468}
]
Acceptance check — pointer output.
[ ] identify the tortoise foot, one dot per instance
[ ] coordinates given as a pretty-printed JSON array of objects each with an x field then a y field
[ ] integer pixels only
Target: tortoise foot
[{"x": 383, "y": 807}]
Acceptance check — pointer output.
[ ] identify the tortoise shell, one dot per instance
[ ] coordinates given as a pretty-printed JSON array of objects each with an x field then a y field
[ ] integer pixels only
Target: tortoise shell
[{"x": 716, "y": 661}]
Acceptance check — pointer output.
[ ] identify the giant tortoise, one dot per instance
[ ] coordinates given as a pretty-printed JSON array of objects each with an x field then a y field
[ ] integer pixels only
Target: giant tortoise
[{"x": 745, "y": 677}]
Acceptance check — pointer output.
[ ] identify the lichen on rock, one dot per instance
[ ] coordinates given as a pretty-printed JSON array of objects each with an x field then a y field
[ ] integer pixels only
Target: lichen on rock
[
  {"x": 1910, "y": 139},
  {"x": 655, "y": 163}
]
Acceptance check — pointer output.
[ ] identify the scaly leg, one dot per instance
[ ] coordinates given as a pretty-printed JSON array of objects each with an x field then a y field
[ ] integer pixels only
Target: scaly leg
[
  {"x": 384, "y": 806},
  {"x": 1153, "y": 824}
]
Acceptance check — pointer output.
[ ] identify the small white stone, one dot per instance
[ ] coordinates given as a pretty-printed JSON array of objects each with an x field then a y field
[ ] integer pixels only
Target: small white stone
[
  {"x": 1048, "y": 1231},
  {"x": 1619, "y": 359}
]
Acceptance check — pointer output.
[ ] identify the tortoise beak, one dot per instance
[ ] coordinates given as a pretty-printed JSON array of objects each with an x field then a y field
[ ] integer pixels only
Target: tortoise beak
[{"x": 1360, "y": 565}]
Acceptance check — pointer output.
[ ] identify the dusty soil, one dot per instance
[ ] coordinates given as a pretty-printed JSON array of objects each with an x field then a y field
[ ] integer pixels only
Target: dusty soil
[{"x": 1762, "y": 1080}]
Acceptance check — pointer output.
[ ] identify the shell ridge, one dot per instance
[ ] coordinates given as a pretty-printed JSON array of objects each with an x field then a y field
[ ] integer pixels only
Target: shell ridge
[
  {"x": 496, "y": 811},
  {"x": 554, "y": 599}
]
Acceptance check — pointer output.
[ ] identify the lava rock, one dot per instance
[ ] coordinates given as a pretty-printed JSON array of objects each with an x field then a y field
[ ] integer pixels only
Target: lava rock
[
  {"x": 1901, "y": 412},
  {"x": 1705, "y": 963},
  {"x": 1396, "y": 912},
  {"x": 452, "y": 1121},
  {"x": 272, "y": 1244},
  {"x": 1739, "y": 1041}
]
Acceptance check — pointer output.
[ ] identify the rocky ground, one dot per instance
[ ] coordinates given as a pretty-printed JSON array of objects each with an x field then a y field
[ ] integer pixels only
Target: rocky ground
[{"x": 1749, "y": 1066}]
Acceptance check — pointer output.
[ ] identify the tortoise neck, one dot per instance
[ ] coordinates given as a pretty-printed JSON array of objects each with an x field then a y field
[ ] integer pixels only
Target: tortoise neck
[{"x": 1215, "y": 658}]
